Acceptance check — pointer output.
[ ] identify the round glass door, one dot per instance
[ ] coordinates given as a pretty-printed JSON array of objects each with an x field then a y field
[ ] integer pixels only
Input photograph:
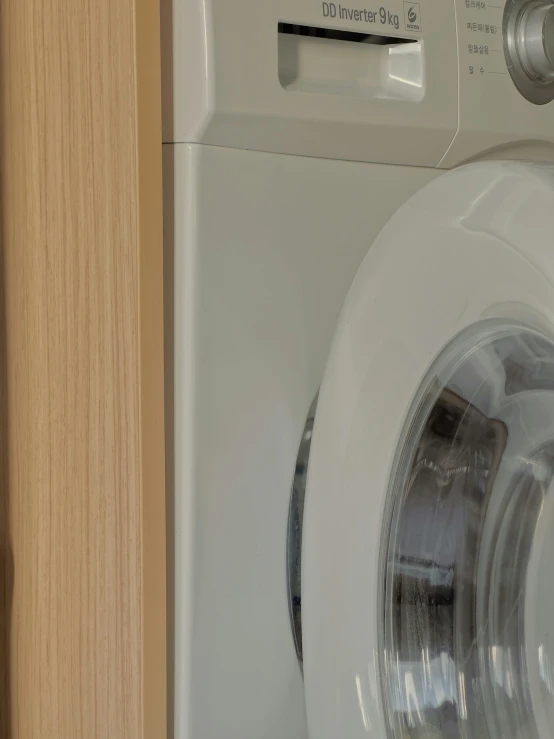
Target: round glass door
[{"x": 468, "y": 551}]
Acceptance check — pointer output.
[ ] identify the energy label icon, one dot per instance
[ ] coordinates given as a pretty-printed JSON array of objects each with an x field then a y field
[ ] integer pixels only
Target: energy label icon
[{"x": 412, "y": 16}]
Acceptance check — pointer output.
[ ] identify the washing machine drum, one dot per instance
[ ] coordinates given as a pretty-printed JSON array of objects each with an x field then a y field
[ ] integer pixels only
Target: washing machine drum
[{"x": 428, "y": 546}]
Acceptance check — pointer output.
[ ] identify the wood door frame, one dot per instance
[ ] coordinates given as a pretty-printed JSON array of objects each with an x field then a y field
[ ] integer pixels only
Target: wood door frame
[{"x": 82, "y": 482}]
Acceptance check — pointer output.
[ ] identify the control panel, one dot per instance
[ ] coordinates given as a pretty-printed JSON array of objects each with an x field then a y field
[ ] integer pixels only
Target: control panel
[
  {"x": 427, "y": 83},
  {"x": 505, "y": 88},
  {"x": 528, "y": 31}
]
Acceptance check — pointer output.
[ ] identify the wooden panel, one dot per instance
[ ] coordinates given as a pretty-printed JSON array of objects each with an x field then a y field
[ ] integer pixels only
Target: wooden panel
[{"x": 82, "y": 597}]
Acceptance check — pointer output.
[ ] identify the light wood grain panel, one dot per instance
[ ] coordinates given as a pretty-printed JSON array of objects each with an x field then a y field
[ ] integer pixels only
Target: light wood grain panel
[
  {"x": 82, "y": 599},
  {"x": 149, "y": 122}
]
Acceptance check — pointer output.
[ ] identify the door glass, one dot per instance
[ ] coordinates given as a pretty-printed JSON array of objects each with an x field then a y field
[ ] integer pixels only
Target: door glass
[{"x": 468, "y": 557}]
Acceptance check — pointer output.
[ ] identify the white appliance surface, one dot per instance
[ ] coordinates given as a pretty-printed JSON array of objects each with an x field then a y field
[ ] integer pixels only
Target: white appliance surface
[
  {"x": 486, "y": 231},
  {"x": 231, "y": 79},
  {"x": 266, "y": 248},
  {"x": 294, "y": 131}
]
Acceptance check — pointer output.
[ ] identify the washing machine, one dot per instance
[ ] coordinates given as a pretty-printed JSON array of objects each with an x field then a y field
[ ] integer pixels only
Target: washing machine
[{"x": 359, "y": 244}]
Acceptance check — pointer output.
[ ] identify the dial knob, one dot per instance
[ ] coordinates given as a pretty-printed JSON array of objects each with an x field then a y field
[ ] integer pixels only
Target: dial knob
[
  {"x": 529, "y": 47},
  {"x": 535, "y": 40}
]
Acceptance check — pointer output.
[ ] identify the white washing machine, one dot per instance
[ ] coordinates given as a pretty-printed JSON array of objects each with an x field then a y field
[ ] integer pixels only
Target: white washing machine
[{"x": 360, "y": 263}]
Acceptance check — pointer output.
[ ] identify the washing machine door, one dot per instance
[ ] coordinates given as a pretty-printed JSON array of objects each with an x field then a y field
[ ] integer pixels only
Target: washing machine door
[{"x": 428, "y": 550}]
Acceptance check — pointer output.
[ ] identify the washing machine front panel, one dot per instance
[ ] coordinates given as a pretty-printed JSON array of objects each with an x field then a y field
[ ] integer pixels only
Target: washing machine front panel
[
  {"x": 359, "y": 81},
  {"x": 428, "y": 516},
  {"x": 428, "y": 83},
  {"x": 265, "y": 250}
]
